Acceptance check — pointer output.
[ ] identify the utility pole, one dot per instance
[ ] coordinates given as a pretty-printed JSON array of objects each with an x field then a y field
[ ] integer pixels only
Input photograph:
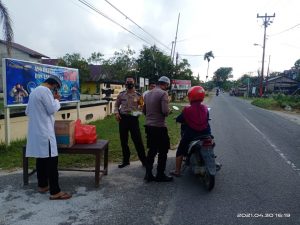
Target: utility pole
[
  {"x": 175, "y": 38},
  {"x": 268, "y": 71},
  {"x": 266, "y": 22},
  {"x": 172, "y": 50},
  {"x": 248, "y": 84}
]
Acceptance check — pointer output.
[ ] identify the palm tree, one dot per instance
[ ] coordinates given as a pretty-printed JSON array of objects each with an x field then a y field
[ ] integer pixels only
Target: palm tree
[
  {"x": 207, "y": 57},
  {"x": 7, "y": 27}
]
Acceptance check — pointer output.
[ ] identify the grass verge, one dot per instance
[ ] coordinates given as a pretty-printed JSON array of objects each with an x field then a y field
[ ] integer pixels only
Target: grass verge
[
  {"x": 268, "y": 103},
  {"x": 278, "y": 102}
]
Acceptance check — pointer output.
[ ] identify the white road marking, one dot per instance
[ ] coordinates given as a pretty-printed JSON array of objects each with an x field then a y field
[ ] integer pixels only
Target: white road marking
[{"x": 282, "y": 155}]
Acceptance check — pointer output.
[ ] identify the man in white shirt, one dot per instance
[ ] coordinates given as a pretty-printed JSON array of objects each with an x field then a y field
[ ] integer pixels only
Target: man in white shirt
[{"x": 41, "y": 142}]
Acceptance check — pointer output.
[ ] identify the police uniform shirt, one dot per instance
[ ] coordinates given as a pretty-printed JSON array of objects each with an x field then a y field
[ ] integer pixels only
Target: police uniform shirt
[{"x": 127, "y": 103}]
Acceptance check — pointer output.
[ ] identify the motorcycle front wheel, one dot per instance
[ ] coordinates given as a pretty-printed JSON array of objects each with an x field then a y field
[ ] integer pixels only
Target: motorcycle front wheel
[{"x": 209, "y": 181}]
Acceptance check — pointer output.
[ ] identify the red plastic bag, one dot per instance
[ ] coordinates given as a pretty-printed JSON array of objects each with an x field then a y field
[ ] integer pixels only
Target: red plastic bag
[{"x": 85, "y": 134}]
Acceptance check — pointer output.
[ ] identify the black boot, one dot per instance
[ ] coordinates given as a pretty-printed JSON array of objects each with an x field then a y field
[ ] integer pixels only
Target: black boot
[
  {"x": 163, "y": 178},
  {"x": 149, "y": 177},
  {"x": 124, "y": 164}
]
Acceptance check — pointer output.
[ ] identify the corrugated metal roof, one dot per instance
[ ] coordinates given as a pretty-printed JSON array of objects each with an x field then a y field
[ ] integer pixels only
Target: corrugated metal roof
[{"x": 274, "y": 78}]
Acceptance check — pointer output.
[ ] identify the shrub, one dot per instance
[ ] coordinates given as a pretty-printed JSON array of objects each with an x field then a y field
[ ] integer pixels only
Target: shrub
[
  {"x": 284, "y": 100},
  {"x": 267, "y": 103}
]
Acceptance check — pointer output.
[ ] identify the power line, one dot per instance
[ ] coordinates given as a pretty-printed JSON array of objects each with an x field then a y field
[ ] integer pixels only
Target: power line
[
  {"x": 82, "y": 7},
  {"x": 191, "y": 55},
  {"x": 107, "y": 17},
  {"x": 137, "y": 25},
  {"x": 220, "y": 56},
  {"x": 285, "y": 30}
]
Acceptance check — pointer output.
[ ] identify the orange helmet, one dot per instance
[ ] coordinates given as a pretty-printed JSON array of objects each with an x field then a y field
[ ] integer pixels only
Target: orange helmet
[{"x": 196, "y": 93}]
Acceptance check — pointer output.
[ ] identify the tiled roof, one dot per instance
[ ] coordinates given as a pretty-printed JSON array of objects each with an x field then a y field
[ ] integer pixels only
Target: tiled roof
[
  {"x": 95, "y": 73},
  {"x": 53, "y": 62},
  {"x": 29, "y": 51}
]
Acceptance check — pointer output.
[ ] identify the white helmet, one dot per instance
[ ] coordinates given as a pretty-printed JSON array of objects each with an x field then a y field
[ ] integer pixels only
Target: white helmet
[{"x": 164, "y": 79}]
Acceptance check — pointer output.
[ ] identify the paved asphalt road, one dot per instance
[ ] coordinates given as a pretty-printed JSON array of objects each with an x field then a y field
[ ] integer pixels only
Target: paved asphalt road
[{"x": 260, "y": 153}]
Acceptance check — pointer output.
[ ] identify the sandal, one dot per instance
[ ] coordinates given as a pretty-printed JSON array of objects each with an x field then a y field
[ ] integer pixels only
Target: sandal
[
  {"x": 43, "y": 190},
  {"x": 62, "y": 196},
  {"x": 175, "y": 174}
]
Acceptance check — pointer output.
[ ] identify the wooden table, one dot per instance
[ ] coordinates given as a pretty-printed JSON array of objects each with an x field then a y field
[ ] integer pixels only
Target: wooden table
[{"x": 99, "y": 149}]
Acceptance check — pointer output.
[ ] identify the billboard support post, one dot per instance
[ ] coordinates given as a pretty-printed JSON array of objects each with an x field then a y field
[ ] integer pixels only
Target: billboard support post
[
  {"x": 78, "y": 110},
  {"x": 7, "y": 126}
]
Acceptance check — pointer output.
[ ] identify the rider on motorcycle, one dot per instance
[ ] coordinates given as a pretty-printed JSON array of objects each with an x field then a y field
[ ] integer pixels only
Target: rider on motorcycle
[{"x": 194, "y": 120}]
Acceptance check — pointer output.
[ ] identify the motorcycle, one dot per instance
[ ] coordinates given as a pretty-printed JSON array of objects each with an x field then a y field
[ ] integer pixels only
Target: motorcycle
[{"x": 201, "y": 160}]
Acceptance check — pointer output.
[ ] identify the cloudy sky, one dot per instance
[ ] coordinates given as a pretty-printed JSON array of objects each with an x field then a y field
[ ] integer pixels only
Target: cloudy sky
[{"x": 229, "y": 28}]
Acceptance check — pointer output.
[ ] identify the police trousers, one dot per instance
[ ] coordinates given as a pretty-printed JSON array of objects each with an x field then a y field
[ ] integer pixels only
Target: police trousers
[
  {"x": 130, "y": 124},
  {"x": 158, "y": 142}
]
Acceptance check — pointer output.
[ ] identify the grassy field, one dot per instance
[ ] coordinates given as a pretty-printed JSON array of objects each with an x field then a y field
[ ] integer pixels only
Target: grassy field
[{"x": 10, "y": 157}]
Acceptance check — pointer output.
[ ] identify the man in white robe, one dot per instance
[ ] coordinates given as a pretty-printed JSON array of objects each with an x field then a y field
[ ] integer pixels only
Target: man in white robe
[{"x": 41, "y": 142}]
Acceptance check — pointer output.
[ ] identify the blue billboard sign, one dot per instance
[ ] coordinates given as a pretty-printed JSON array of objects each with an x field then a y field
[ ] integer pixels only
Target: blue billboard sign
[{"x": 22, "y": 77}]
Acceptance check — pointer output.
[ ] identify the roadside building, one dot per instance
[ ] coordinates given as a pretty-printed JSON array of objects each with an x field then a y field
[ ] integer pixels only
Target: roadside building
[
  {"x": 281, "y": 84},
  {"x": 18, "y": 52},
  {"x": 179, "y": 88}
]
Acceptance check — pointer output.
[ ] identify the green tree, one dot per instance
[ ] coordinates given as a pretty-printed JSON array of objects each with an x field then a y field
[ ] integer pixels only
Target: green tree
[
  {"x": 297, "y": 66},
  {"x": 228, "y": 84},
  {"x": 244, "y": 79},
  {"x": 221, "y": 75},
  {"x": 96, "y": 58},
  {"x": 208, "y": 56},
  {"x": 7, "y": 27},
  {"x": 209, "y": 85},
  {"x": 76, "y": 61},
  {"x": 183, "y": 72},
  {"x": 153, "y": 63},
  {"x": 120, "y": 65}
]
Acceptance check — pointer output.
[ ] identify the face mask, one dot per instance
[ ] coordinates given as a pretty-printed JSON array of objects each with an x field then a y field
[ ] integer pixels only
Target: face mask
[{"x": 129, "y": 85}]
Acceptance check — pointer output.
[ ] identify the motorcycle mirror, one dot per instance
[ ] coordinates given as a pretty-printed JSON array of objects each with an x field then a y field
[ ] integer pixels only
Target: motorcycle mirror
[{"x": 175, "y": 107}]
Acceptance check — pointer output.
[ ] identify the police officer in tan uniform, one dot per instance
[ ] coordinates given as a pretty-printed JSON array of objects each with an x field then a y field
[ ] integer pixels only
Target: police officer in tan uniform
[{"x": 128, "y": 107}]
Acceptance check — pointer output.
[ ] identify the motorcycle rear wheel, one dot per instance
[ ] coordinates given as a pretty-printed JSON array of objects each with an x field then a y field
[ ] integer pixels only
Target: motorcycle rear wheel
[{"x": 209, "y": 181}]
